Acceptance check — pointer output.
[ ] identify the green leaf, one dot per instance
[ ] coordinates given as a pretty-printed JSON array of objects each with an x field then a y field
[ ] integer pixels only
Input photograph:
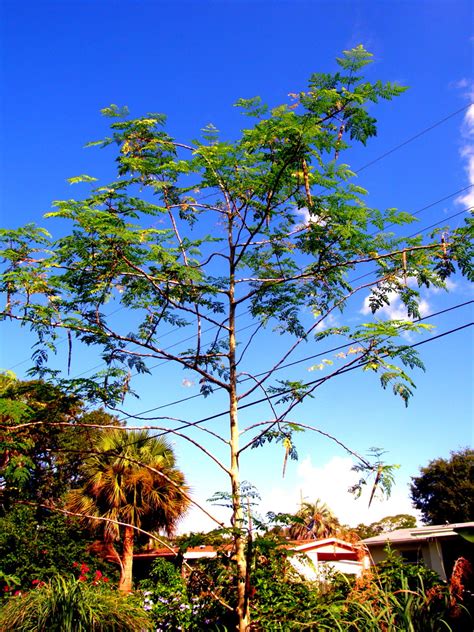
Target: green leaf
[{"x": 83, "y": 178}]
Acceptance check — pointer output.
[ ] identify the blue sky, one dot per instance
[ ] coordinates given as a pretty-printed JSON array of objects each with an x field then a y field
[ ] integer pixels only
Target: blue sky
[{"x": 63, "y": 61}]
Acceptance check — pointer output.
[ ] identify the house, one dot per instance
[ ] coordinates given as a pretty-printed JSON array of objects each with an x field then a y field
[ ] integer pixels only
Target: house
[
  {"x": 330, "y": 554},
  {"x": 438, "y": 547}
]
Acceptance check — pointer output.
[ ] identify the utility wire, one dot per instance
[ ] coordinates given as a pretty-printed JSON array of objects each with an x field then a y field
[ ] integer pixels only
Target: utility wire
[
  {"x": 312, "y": 383},
  {"x": 412, "y": 138},
  {"x": 213, "y": 327},
  {"x": 289, "y": 364}
]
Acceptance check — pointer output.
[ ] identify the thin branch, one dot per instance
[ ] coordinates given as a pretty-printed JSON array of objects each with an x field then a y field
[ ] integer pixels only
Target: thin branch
[
  {"x": 275, "y": 367},
  {"x": 323, "y": 271},
  {"x": 307, "y": 427},
  {"x": 316, "y": 384},
  {"x": 78, "y": 424}
]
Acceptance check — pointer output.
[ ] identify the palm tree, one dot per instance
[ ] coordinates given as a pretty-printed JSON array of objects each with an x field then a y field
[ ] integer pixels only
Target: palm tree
[
  {"x": 131, "y": 478},
  {"x": 314, "y": 521}
]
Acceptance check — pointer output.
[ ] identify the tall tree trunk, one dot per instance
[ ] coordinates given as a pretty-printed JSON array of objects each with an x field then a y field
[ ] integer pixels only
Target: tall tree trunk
[
  {"x": 126, "y": 580},
  {"x": 243, "y": 612}
]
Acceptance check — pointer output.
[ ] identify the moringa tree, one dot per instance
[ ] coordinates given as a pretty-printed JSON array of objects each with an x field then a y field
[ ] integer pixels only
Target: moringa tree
[{"x": 194, "y": 235}]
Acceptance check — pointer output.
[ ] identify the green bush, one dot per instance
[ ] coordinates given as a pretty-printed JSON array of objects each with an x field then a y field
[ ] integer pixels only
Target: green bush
[
  {"x": 37, "y": 546},
  {"x": 165, "y": 598},
  {"x": 68, "y": 605},
  {"x": 396, "y": 596}
]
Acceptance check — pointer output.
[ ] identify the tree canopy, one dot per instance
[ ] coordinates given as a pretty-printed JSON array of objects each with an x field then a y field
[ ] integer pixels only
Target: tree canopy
[
  {"x": 44, "y": 435},
  {"x": 444, "y": 490},
  {"x": 385, "y": 525},
  {"x": 314, "y": 521}
]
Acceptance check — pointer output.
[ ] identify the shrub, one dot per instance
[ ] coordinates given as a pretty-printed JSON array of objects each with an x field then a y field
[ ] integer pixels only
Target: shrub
[
  {"x": 68, "y": 605},
  {"x": 165, "y": 598}
]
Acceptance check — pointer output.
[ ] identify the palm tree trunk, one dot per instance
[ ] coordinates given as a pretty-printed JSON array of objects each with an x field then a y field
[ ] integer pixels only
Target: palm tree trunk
[{"x": 126, "y": 580}]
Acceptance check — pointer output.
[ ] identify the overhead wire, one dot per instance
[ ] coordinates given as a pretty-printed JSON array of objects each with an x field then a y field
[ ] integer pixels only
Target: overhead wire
[
  {"x": 192, "y": 424},
  {"x": 287, "y": 365},
  {"x": 415, "y": 137},
  {"x": 213, "y": 327}
]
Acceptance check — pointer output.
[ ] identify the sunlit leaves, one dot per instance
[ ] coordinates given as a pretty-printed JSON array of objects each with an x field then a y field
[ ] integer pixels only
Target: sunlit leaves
[
  {"x": 82, "y": 178},
  {"x": 378, "y": 473}
]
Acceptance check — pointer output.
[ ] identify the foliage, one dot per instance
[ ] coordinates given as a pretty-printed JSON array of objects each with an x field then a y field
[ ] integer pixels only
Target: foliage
[
  {"x": 281, "y": 600},
  {"x": 397, "y": 596},
  {"x": 444, "y": 490},
  {"x": 131, "y": 479},
  {"x": 392, "y": 572},
  {"x": 385, "y": 525},
  {"x": 271, "y": 225},
  {"x": 166, "y": 599},
  {"x": 390, "y": 597},
  {"x": 42, "y": 441},
  {"x": 36, "y": 545},
  {"x": 216, "y": 538},
  {"x": 68, "y": 605}
]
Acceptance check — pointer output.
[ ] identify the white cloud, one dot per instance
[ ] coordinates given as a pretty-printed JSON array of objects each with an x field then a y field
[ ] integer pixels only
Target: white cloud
[
  {"x": 329, "y": 483},
  {"x": 461, "y": 84},
  {"x": 329, "y": 321},
  {"x": 395, "y": 310},
  {"x": 197, "y": 521},
  {"x": 450, "y": 287},
  {"x": 307, "y": 218},
  {"x": 467, "y": 148}
]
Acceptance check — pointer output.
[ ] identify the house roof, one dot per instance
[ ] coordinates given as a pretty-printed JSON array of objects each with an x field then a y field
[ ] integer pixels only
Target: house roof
[
  {"x": 193, "y": 552},
  {"x": 328, "y": 544},
  {"x": 420, "y": 534}
]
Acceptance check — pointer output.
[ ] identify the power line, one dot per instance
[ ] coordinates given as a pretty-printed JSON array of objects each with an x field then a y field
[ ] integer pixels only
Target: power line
[
  {"x": 213, "y": 327},
  {"x": 412, "y": 138},
  {"x": 312, "y": 383},
  {"x": 289, "y": 364},
  {"x": 418, "y": 234}
]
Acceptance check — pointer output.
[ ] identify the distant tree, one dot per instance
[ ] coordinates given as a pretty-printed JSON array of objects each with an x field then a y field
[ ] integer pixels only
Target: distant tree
[
  {"x": 44, "y": 434},
  {"x": 385, "y": 525},
  {"x": 36, "y": 545},
  {"x": 314, "y": 521},
  {"x": 444, "y": 491},
  {"x": 131, "y": 479}
]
